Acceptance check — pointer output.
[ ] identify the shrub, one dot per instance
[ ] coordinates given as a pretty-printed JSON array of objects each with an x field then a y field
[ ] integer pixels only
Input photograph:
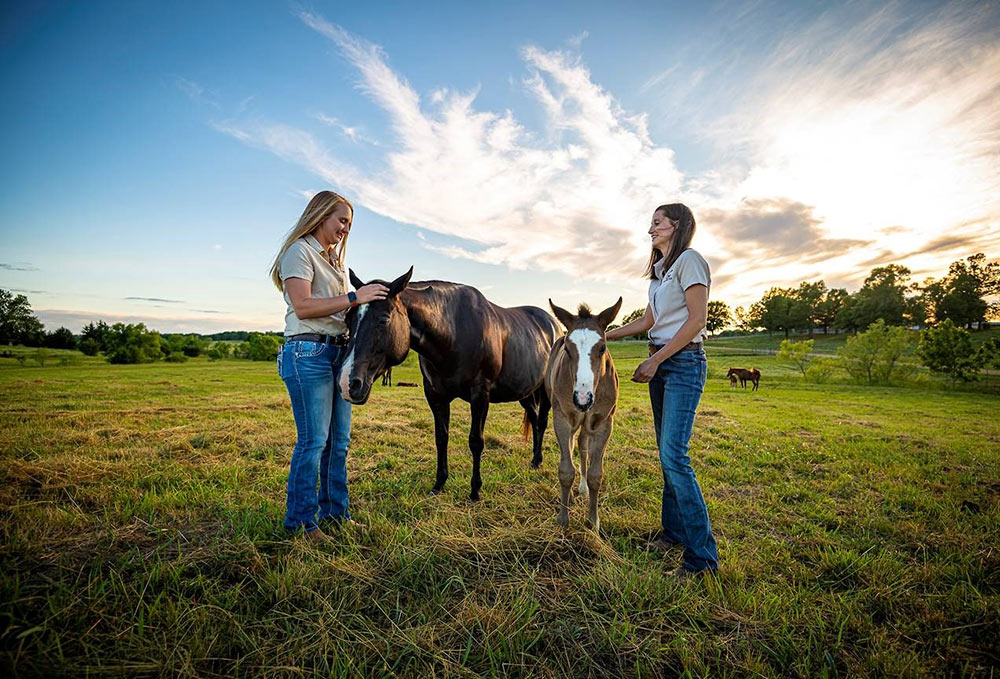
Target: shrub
[
  {"x": 948, "y": 349},
  {"x": 175, "y": 358},
  {"x": 262, "y": 347},
  {"x": 874, "y": 355},
  {"x": 128, "y": 343},
  {"x": 821, "y": 370},
  {"x": 40, "y": 356},
  {"x": 797, "y": 353},
  {"x": 90, "y": 346}
]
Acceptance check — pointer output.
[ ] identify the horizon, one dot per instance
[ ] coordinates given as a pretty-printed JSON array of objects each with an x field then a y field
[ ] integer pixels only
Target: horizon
[{"x": 153, "y": 180}]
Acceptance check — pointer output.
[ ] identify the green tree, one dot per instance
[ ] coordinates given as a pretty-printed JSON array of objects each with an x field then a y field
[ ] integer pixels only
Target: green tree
[
  {"x": 947, "y": 349},
  {"x": 128, "y": 343},
  {"x": 193, "y": 346},
  {"x": 883, "y": 296},
  {"x": 262, "y": 347},
  {"x": 60, "y": 339},
  {"x": 811, "y": 296},
  {"x": 874, "y": 355},
  {"x": 89, "y": 346},
  {"x": 745, "y": 319},
  {"x": 963, "y": 293},
  {"x": 40, "y": 356},
  {"x": 632, "y": 316},
  {"x": 96, "y": 333},
  {"x": 796, "y": 353},
  {"x": 833, "y": 300},
  {"x": 17, "y": 322},
  {"x": 778, "y": 309},
  {"x": 718, "y": 316}
]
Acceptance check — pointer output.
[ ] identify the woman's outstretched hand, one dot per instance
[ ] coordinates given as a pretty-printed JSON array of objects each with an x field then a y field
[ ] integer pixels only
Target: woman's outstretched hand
[{"x": 371, "y": 292}]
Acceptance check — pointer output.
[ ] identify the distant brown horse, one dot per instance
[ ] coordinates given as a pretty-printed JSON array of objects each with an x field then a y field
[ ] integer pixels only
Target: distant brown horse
[
  {"x": 582, "y": 385},
  {"x": 744, "y": 375}
]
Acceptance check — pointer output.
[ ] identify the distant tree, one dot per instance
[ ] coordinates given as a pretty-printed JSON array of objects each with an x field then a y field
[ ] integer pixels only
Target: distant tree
[
  {"x": 883, "y": 296},
  {"x": 964, "y": 291},
  {"x": 989, "y": 353},
  {"x": 948, "y": 349},
  {"x": 17, "y": 322},
  {"x": 192, "y": 346},
  {"x": 128, "y": 343},
  {"x": 60, "y": 339},
  {"x": 219, "y": 350},
  {"x": 89, "y": 346},
  {"x": 632, "y": 316},
  {"x": 718, "y": 317},
  {"x": 262, "y": 347},
  {"x": 811, "y": 296},
  {"x": 828, "y": 308},
  {"x": 97, "y": 333},
  {"x": 796, "y": 353},
  {"x": 778, "y": 310},
  {"x": 874, "y": 355},
  {"x": 40, "y": 356},
  {"x": 744, "y": 319}
]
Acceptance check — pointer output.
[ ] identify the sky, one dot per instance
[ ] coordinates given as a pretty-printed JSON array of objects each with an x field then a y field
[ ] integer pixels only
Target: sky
[{"x": 156, "y": 154}]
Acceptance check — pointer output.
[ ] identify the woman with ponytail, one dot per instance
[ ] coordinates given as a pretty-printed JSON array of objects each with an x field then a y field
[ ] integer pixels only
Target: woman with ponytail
[
  {"x": 309, "y": 270},
  {"x": 676, "y": 371}
]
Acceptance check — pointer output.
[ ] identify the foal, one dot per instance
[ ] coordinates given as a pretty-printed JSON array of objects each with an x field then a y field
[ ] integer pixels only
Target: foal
[{"x": 582, "y": 385}]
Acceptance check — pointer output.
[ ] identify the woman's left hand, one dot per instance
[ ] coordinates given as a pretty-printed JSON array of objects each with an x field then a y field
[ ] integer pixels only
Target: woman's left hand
[{"x": 646, "y": 371}]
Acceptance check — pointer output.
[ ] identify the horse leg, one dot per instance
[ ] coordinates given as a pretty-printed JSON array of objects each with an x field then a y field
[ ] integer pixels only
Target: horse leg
[
  {"x": 480, "y": 407},
  {"x": 544, "y": 405},
  {"x": 441, "y": 408},
  {"x": 595, "y": 473},
  {"x": 564, "y": 435},
  {"x": 530, "y": 405},
  {"x": 583, "y": 444}
]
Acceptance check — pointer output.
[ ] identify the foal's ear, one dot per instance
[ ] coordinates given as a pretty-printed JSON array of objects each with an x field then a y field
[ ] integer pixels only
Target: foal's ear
[
  {"x": 398, "y": 285},
  {"x": 565, "y": 317},
  {"x": 355, "y": 281},
  {"x": 605, "y": 317}
]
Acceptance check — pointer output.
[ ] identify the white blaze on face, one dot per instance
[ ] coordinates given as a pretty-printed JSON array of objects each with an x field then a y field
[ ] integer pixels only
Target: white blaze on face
[
  {"x": 584, "y": 340},
  {"x": 348, "y": 366}
]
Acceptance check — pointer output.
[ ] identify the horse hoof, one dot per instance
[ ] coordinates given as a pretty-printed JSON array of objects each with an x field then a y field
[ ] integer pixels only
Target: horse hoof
[
  {"x": 474, "y": 498},
  {"x": 437, "y": 490},
  {"x": 535, "y": 464}
]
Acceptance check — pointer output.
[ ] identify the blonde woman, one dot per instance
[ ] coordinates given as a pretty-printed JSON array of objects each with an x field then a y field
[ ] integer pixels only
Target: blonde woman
[{"x": 309, "y": 270}]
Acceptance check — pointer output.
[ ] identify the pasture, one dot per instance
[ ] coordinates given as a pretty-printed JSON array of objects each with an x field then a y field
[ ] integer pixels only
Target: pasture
[{"x": 141, "y": 513}]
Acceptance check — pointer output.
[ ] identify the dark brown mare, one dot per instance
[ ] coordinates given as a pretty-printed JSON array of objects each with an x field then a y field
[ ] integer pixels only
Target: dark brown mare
[
  {"x": 744, "y": 375},
  {"x": 469, "y": 348}
]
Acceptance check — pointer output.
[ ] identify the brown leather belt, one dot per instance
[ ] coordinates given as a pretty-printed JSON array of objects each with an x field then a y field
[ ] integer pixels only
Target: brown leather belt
[
  {"x": 653, "y": 348},
  {"x": 335, "y": 340}
]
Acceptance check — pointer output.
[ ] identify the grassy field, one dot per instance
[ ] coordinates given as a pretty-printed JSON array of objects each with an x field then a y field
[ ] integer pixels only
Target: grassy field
[{"x": 141, "y": 509}]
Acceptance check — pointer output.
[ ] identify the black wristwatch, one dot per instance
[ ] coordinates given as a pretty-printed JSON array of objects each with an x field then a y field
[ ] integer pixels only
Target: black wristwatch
[{"x": 352, "y": 297}]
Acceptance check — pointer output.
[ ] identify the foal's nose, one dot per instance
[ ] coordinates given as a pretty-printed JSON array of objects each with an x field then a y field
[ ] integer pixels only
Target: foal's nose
[
  {"x": 583, "y": 402},
  {"x": 356, "y": 385}
]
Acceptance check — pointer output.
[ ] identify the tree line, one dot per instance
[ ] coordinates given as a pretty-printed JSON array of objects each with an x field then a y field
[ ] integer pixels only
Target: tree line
[{"x": 129, "y": 342}]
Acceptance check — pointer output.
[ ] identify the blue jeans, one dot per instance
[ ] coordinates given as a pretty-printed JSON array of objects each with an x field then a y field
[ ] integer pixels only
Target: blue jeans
[
  {"x": 675, "y": 391},
  {"x": 323, "y": 432}
]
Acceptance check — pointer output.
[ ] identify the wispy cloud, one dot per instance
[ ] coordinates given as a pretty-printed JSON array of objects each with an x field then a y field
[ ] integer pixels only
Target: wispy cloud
[
  {"x": 353, "y": 133},
  {"x": 18, "y": 266},
  {"x": 155, "y": 299}
]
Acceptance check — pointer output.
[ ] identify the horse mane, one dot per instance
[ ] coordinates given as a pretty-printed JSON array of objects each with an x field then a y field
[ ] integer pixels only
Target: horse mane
[{"x": 584, "y": 311}]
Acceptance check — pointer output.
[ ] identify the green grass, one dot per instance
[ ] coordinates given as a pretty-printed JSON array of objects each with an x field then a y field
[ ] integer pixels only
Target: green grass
[{"x": 141, "y": 507}]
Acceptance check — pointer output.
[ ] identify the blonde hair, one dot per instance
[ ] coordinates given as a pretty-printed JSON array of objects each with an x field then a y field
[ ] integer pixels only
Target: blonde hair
[{"x": 316, "y": 212}]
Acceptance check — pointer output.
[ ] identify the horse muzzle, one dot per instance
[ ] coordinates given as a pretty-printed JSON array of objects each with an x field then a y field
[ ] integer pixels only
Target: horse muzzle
[{"x": 584, "y": 401}]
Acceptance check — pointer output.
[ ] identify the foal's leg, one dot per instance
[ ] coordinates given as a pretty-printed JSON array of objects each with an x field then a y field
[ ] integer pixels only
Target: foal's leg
[
  {"x": 564, "y": 435},
  {"x": 480, "y": 407},
  {"x": 595, "y": 474},
  {"x": 441, "y": 408},
  {"x": 543, "y": 421},
  {"x": 584, "y": 444}
]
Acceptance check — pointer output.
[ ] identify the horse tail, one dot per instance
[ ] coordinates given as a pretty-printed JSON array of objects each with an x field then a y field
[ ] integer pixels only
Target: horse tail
[{"x": 525, "y": 426}]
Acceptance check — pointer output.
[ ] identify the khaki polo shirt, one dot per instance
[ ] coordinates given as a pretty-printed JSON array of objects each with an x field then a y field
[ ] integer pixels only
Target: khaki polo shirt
[
  {"x": 666, "y": 294},
  {"x": 304, "y": 259}
]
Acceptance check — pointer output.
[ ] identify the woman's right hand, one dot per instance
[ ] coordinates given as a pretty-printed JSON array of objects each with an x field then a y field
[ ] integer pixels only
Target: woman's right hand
[{"x": 371, "y": 292}]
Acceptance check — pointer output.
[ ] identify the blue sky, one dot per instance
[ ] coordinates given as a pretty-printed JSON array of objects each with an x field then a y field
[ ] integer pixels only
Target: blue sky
[{"x": 157, "y": 153}]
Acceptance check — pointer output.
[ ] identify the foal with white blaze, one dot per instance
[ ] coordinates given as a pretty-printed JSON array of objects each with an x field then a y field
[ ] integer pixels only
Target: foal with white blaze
[{"x": 582, "y": 385}]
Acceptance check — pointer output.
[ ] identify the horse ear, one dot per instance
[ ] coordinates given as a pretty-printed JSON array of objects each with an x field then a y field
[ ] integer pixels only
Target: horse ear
[
  {"x": 565, "y": 317},
  {"x": 605, "y": 317},
  {"x": 398, "y": 285},
  {"x": 355, "y": 281}
]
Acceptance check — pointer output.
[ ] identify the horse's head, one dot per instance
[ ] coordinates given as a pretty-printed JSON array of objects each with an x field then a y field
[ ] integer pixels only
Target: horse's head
[
  {"x": 380, "y": 339},
  {"x": 731, "y": 373},
  {"x": 585, "y": 347}
]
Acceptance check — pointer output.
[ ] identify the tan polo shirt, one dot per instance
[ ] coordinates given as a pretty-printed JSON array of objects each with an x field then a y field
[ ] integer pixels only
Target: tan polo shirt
[
  {"x": 304, "y": 259},
  {"x": 666, "y": 294}
]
